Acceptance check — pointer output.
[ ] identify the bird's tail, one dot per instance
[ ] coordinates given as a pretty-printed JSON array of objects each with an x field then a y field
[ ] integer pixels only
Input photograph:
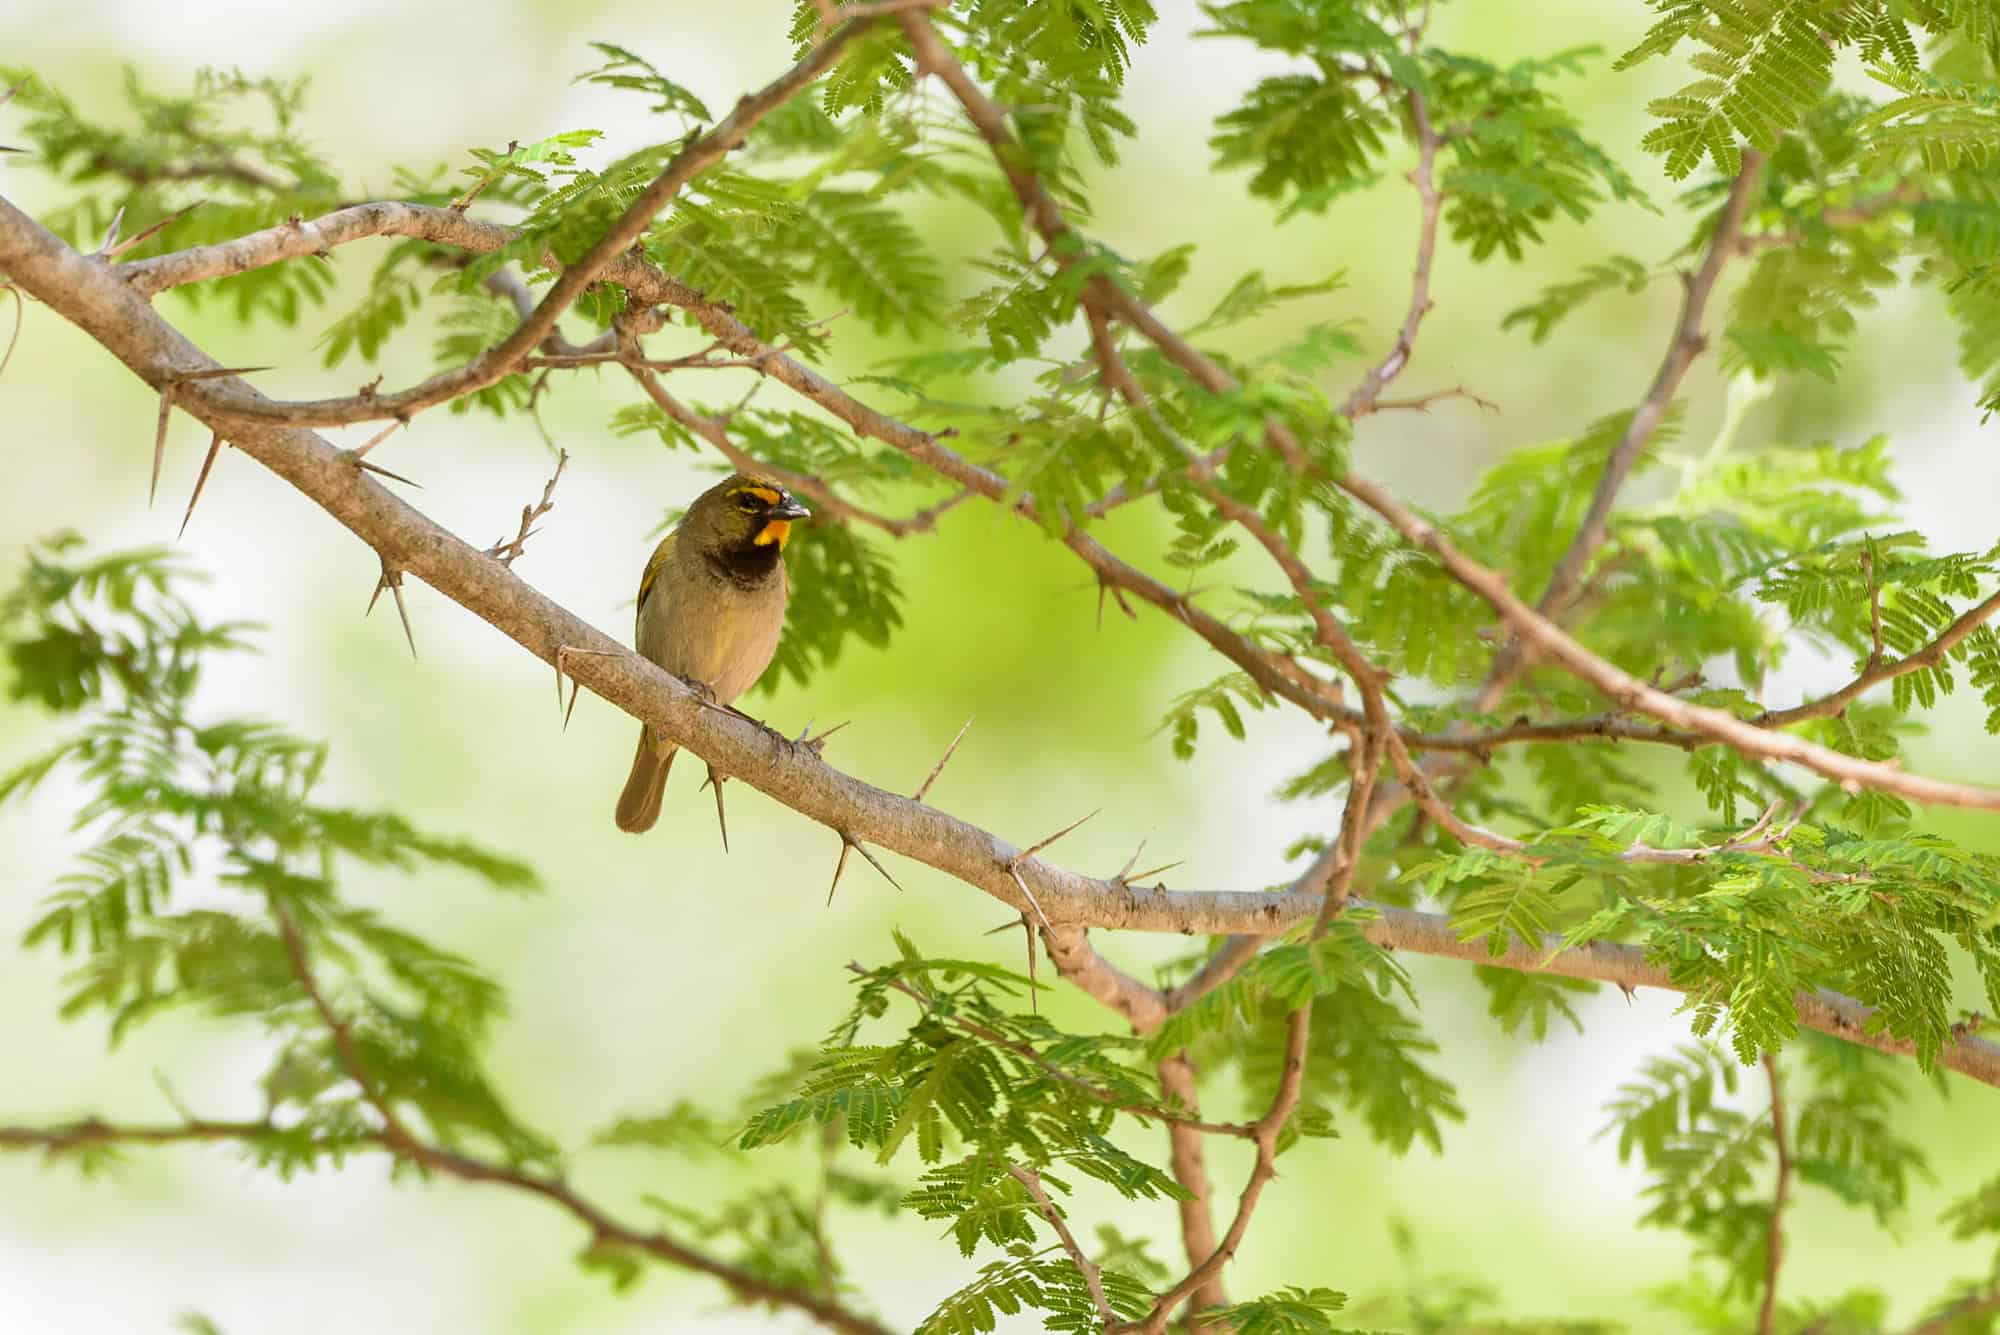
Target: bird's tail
[{"x": 639, "y": 804}]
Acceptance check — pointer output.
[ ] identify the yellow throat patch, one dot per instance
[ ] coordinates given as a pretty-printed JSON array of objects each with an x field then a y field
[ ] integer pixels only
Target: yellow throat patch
[{"x": 777, "y": 530}]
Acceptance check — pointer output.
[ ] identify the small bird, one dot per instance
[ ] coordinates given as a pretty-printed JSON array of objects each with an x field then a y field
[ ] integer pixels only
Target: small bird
[{"x": 711, "y": 608}]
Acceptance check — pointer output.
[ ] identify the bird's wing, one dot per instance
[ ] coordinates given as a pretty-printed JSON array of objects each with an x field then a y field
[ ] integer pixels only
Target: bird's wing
[{"x": 658, "y": 562}]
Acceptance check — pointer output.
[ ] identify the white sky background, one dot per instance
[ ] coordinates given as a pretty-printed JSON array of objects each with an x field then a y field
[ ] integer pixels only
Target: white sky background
[{"x": 348, "y": 1251}]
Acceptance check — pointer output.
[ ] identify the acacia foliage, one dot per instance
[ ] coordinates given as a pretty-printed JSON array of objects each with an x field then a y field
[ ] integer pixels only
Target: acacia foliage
[{"x": 941, "y": 1075}]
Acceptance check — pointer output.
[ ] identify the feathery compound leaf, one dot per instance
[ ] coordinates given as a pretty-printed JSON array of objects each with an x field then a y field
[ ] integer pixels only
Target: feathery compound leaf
[
  {"x": 625, "y": 69},
  {"x": 866, "y": 254},
  {"x": 1764, "y": 63},
  {"x": 1302, "y": 134},
  {"x": 1949, "y": 123},
  {"x": 1558, "y": 300},
  {"x": 1289, "y": 1311}
]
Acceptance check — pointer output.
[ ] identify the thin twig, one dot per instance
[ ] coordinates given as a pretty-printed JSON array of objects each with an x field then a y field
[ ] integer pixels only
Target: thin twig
[
  {"x": 91, "y": 1133},
  {"x": 1774, "y": 1245},
  {"x": 508, "y": 551},
  {"x": 1364, "y": 399},
  {"x": 1544, "y": 637},
  {"x": 1687, "y": 344},
  {"x": 1093, "y": 1278},
  {"x": 831, "y": 503},
  {"x": 504, "y": 358},
  {"x": 1875, "y": 672},
  {"x": 1298, "y": 1031}
]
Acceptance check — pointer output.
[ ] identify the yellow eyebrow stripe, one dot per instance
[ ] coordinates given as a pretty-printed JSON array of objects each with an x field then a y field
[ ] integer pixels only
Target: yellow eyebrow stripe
[{"x": 767, "y": 495}]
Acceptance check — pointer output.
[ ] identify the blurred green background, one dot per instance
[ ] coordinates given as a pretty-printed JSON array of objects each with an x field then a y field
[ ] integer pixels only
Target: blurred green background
[{"x": 658, "y": 968}]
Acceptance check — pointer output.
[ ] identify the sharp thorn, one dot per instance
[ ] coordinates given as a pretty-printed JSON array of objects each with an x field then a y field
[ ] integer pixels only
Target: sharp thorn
[
  {"x": 113, "y": 252},
  {"x": 1027, "y": 853},
  {"x": 862, "y": 849},
  {"x": 111, "y": 233},
  {"x": 403, "y": 611},
  {"x": 1155, "y": 871},
  {"x": 1003, "y": 927},
  {"x": 942, "y": 762},
  {"x": 160, "y": 438},
  {"x": 575, "y": 689},
  {"x": 839, "y": 867},
  {"x": 714, "y": 780},
  {"x": 1034, "y": 985},
  {"x": 200, "y": 480},
  {"x": 378, "y": 438},
  {"x": 1032, "y": 901},
  {"x": 382, "y": 584},
  {"x": 377, "y": 468},
  {"x": 1129, "y": 861}
]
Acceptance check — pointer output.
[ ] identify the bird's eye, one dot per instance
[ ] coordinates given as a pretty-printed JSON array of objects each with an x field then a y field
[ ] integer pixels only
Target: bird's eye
[{"x": 748, "y": 504}]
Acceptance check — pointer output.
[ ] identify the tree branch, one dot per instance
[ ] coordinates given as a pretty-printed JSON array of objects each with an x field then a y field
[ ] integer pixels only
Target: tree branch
[
  {"x": 1093, "y": 1278},
  {"x": 1687, "y": 344},
  {"x": 92, "y": 1132},
  {"x": 1774, "y": 1244},
  {"x": 1545, "y": 637},
  {"x": 92, "y": 297},
  {"x": 1274, "y": 672},
  {"x": 504, "y": 358},
  {"x": 1188, "y": 1158},
  {"x": 1366, "y": 397},
  {"x": 1877, "y": 672},
  {"x": 829, "y": 501},
  {"x": 1298, "y": 1030}
]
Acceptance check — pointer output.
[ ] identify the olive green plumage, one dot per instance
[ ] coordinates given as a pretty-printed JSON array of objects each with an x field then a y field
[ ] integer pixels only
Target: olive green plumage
[{"x": 711, "y": 608}]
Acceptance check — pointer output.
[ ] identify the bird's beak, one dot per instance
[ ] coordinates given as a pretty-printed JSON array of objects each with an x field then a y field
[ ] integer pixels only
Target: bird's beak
[{"x": 789, "y": 509}]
